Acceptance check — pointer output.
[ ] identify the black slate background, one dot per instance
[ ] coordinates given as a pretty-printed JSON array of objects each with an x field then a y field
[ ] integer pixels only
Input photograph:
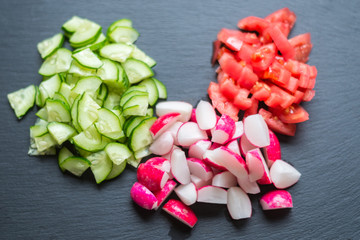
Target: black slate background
[{"x": 37, "y": 201}]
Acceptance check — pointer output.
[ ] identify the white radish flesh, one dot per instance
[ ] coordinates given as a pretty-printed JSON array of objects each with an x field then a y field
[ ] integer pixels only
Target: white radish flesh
[
  {"x": 283, "y": 174},
  {"x": 199, "y": 183},
  {"x": 174, "y": 130},
  {"x": 143, "y": 197},
  {"x": 179, "y": 167},
  {"x": 212, "y": 194},
  {"x": 223, "y": 130},
  {"x": 163, "y": 144},
  {"x": 238, "y": 203},
  {"x": 233, "y": 145},
  {"x": 163, "y": 123},
  {"x": 239, "y": 130},
  {"x": 197, "y": 149},
  {"x": 276, "y": 199},
  {"x": 224, "y": 179},
  {"x": 187, "y": 193},
  {"x": 256, "y": 130},
  {"x": 245, "y": 145},
  {"x": 205, "y": 115},
  {"x": 247, "y": 186},
  {"x": 184, "y": 108},
  {"x": 257, "y": 165},
  {"x": 190, "y": 133},
  {"x": 198, "y": 168}
]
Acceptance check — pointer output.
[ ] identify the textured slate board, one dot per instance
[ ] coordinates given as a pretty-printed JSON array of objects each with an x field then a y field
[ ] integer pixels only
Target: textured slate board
[{"x": 37, "y": 201}]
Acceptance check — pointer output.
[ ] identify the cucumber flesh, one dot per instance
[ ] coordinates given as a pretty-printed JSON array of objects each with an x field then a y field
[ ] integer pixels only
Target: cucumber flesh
[
  {"x": 137, "y": 70},
  {"x": 108, "y": 124},
  {"x": 119, "y": 23},
  {"x": 22, "y": 100},
  {"x": 44, "y": 142},
  {"x": 123, "y": 34},
  {"x": 60, "y": 131},
  {"x": 116, "y": 170},
  {"x": 118, "y": 152},
  {"x": 57, "y": 62},
  {"x": 101, "y": 165},
  {"x": 57, "y": 111},
  {"x": 116, "y": 51},
  {"x": 136, "y": 105},
  {"x": 161, "y": 89},
  {"x": 152, "y": 90},
  {"x": 90, "y": 140},
  {"x": 49, "y": 45},
  {"x": 87, "y": 58},
  {"x": 64, "y": 153},
  {"x": 75, "y": 165},
  {"x": 87, "y": 111},
  {"x": 86, "y": 33},
  {"x": 77, "y": 70},
  {"x": 140, "y": 55},
  {"x": 141, "y": 137}
]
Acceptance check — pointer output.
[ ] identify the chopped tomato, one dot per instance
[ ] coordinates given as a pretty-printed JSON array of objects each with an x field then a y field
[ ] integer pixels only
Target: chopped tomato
[
  {"x": 286, "y": 99},
  {"x": 263, "y": 57},
  {"x": 247, "y": 78},
  {"x": 241, "y": 100},
  {"x": 283, "y": 15},
  {"x": 253, "y": 109},
  {"x": 253, "y": 24},
  {"x": 230, "y": 66},
  {"x": 278, "y": 74},
  {"x": 292, "y": 114},
  {"x": 276, "y": 125},
  {"x": 308, "y": 95},
  {"x": 298, "y": 96},
  {"x": 231, "y": 38},
  {"x": 246, "y": 52},
  {"x": 302, "y": 46},
  {"x": 281, "y": 42},
  {"x": 260, "y": 91},
  {"x": 228, "y": 88},
  {"x": 216, "y": 48}
]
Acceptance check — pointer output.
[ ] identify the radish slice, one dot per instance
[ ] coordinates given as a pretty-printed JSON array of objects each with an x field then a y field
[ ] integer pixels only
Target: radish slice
[
  {"x": 199, "y": 183},
  {"x": 190, "y": 133},
  {"x": 142, "y": 196},
  {"x": 247, "y": 186},
  {"x": 223, "y": 130},
  {"x": 181, "y": 212},
  {"x": 256, "y": 130},
  {"x": 179, "y": 167},
  {"x": 205, "y": 115},
  {"x": 257, "y": 165},
  {"x": 211, "y": 159},
  {"x": 183, "y": 108},
  {"x": 238, "y": 203},
  {"x": 239, "y": 130},
  {"x": 198, "y": 168},
  {"x": 276, "y": 199},
  {"x": 151, "y": 177},
  {"x": 224, "y": 179},
  {"x": 197, "y": 149},
  {"x": 193, "y": 116},
  {"x": 165, "y": 192},
  {"x": 245, "y": 145},
  {"x": 163, "y": 144},
  {"x": 174, "y": 130},
  {"x": 212, "y": 194},
  {"x": 159, "y": 162},
  {"x": 273, "y": 151},
  {"x": 283, "y": 174},
  {"x": 163, "y": 123},
  {"x": 187, "y": 193},
  {"x": 233, "y": 145}
]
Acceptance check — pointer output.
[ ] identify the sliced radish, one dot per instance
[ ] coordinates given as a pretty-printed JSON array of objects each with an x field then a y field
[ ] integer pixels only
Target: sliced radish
[
  {"x": 257, "y": 166},
  {"x": 165, "y": 192},
  {"x": 142, "y": 196},
  {"x": 239, "y": 130},
  {"x": 199, "y": 168},
  {"x": 168, "y": 155},
  {"x": 211, "y": 159},
  {"x": 199, "y": 183},
  {"x": 212, "y": 194},
  {"x": 224, "y": 179},
  {"x": 247, "y": 186},
  {"x": 233, "y": 145},
  {"x": 181, "y": 212},
  {"x": 151, "y": 177},
  {"x": 245, "y": 145},
  {"x": 174, "y": 130},
  {"x": 205, "y": 115},
  {"x": 187, "y": 193},
  {"x": 276, "y": 199},
  {"x": 256, "y": 130},
  {"x": 283, "y": 174},
  {"x": 223, "y": 130},
  {"x": 179, "y": 167},
  {"x": 163, "y": 123},
  {"x": 273, "y": 151},
  {"x": 190, "y": 133},
  {"x": 184, "y": 108},
  {"x": 163, "y": 144},
  {"x": 193, "y": 116},
  {"x": 238, "y": 203},
  {"x": 197, "y": 149}
]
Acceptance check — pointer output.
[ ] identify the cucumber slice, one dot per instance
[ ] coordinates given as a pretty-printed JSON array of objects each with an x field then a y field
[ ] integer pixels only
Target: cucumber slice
[
  {"x": 141, "y": 137},
  {"x": 123, "y": 34},
  {"x": 72, "y": 79},
  {"x": 34, "y": 152},
  {"x": 65, "y": 90},
  {"x": 22, "y": 100},
  {"x": 137, "y": 70},
  {"x": 86, "y": 33},
  {"x": 133, "y": 123},
  {"x": 153, "y": 94},
  {"x": 133, "y": 161},
  {"x": 101, "y": 165},
  {"x": 136, "y": 105},
  {"x": 49, "y": 45},
  {"x": 72, "y": 24},
  {"x": 49, "y": 87},
  {"x": 161, "y": 89},
  {"x": 108, "y": 71},
  {"x": 140, "y": 55},
  {"x": 38, "y": 130},
  {"x": 116, "y": 171},
  {"x": 90, "y": 85},
  {"x": 60, "y": 131},
  {"x": 112, "y": 100},
  {"x": 74, "y": 113},
  {"x": 38, "y": 97},
  {"x": 61, "y": 98},
  {"x": 87, "y": 111},
  {"x": 116, "y": 51},
  {"x": 57, "y": 62},
  {"x": 128, "y": 95},
  {"x": 87, "y": 58},
  {"x": 118, "y": 152},
  {"x": 57, "y": 111},
  {"x": 101, "y": 95},
  {"x": 119, "y": 23},
  {"x": 90, "y": 140},
  {"x": 42, "y": 114},
  {"x": 99, "y": 43},
  {"x": 150, "y": 112},
  {"x": 108, "y": 124},
  {"x": 77, "y": 70},
  {"x": 44, "y": 142},
  {"x": 64, "y": 153},
  {"x": 75, "y": 165},
  {"x": 144, "y": 152}
]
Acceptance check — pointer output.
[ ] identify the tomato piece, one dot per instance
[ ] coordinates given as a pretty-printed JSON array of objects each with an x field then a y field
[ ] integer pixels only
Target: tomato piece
[
  {"x": 230, "y": 66},
  {"x": 231, "y": 38},
  {"x": 253, "y": 109},
  {"x": 278, "y": 74},
  {"x": 276, "y": 125},
  {"x": 263, "y": 57},
  {"x": 293, "y": 66},
  {"x": 304, "y": 76},
  {"x": 241, "y": 100},
  {"x": 260, "y": 91},
  {"x": 293, "y": 114},
  {"x": 286, "y": 99},
  {"x": 221, "y": 103},
  {"x": 228, "y": 88},
  {"x": 281, "y": 42},
  {"x": 246, "y": 52},
  {"x": 247, "y": 78},
  {"x": 309, "y": 94},
  {"x": 311, "y": 83},
  {"x": 302, "y": 46},
  {"x": 253, "y": 23},
  {"x": 216, "y": 48},
  {"x": 298, "y": 95},
  {"x": 283, "y": 15}
]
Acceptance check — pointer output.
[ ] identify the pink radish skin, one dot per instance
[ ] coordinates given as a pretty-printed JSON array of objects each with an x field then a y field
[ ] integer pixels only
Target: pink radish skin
[
  {"x": 197, "y": 149},
  {"x": 181, "y": 212},
  {"x": 245, "y": 145},
  {"x": 238, "y": 203},
  {"x": 165, "y": 192},
  {"x": 247, "y": 186},
  {"x": 283, "y": 174},
  {"x": 187, "y": 193},
  {"x": 205, "y": 115},
  {"x": 160, "y": 163},
  {"x": 233, "y": 145},
  {"x": 223, "y": 130},
  {"x": 163, "y": 123},
  {"x": 142, "y": 196},
  {"x": 199, "y": 183},
  {"x": 276, "y": 199},
  {"x": 193, "y": 116},
  {"x": 151, "y": 177},
  {"x": 273, "y": 151},
  {"x": 210, "y": 159},
  {"x": 239, "y": 130},
  {"x": 257, "y": 166},
  {"x": 199, "y": 168},
  {"x": 224, "y": 179},
  {"x": 256, "y": 130},
  {"x": 184, "y": 108},
  {"x": 190, "y": 133},
  {"x": 163, "y": 144},
  {"x": 179, "y": 167},
  {"x": 212, "y": 194}
]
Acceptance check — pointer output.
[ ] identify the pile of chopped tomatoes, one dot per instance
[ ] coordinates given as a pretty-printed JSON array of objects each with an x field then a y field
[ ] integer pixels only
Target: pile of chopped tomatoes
[{"x": 258, "y": 63}]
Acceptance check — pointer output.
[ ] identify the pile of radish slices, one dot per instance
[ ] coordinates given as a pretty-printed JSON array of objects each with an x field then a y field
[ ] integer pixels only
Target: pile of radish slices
[{"x": 207, "y": 158}]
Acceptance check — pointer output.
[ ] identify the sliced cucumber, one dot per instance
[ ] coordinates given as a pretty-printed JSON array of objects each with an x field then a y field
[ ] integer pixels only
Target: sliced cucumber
[
  {"x": 119, "y": 23},
  {"x": 108, "y": 71},
  {"x": 49, "y": 87},
  {"x": 112, "y": 100},
  {"x": 116, "y": 170},
  {"x": 57, "y": 111},
  {"x": 133, "y": 161},
  {"x": 87, "y": 58},
  {"x": 44, "y": 142},
  {"x": 141, "y": 137},
  {"x": 22, "y": 100},
  {"x": 140, "y": 55},
  {"x": 99, "y": 43},
  {"x": 74, "y": 113},
  {"x": 161, "y": 89},
  {"x": 86, "y": 33},
  {"x": 123, "y": 34},
  {"x": 133, "y": 123},
  {"x": 57, "y": 62},
  {"x": 101, "y": 95},
  {"x": 77, "y": 70},
  {"x": 49, "y": 45},
  {"x": 90, "y": 85},
  {"x": 75, "y": 165},
  {"x": 60, "y": 131},
  {"x": 64, "y": 153},
  {"x": 101, "y": 165},
  {"x": 87, "y": 111},
  {"x": 151, "y": 89},
  {"x": 118, "y": 152},
  {"x": 136, "y": 106},
  {"x": 72, "y": 24},
  {"x": 137, "y": 70},
  {"x": 108, "y": 124},
  {"x": 65, "y": 90},
  {"x": 42, "y": 114},
  {"x": 116, "y": 51},
  {"x": 40, "y": 128},
  {"x": 128, "y": 95},
  {"x": 141, "y": 153},
  {"x": 61, "y": 98},
  {"x": 90, "y": 140}
]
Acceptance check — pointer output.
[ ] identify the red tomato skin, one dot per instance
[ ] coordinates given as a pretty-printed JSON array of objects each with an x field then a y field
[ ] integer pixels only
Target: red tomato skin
[
  {"x": 283, "y": 15},
  {"x": 293, "y": 114},
  {"x": 298, "y": 96},
  {"x": 253, "y": 109},
  {"x": 276, "y": 125},
  {"x": 241, "y": 100},
  {"x": 286, "y": 99},
  {"x": 252, "y": 23},
  {"x": 216, "y": 48}
]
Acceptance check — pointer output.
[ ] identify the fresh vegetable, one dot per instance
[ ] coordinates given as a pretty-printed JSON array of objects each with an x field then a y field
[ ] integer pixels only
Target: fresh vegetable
[
  {"x": 96, "y": 99},
  {"x": 259, "y": 63}
]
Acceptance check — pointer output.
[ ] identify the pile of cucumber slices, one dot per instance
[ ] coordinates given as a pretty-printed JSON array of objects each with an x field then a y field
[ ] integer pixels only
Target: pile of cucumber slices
[{"x": 95, "y": 102}]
